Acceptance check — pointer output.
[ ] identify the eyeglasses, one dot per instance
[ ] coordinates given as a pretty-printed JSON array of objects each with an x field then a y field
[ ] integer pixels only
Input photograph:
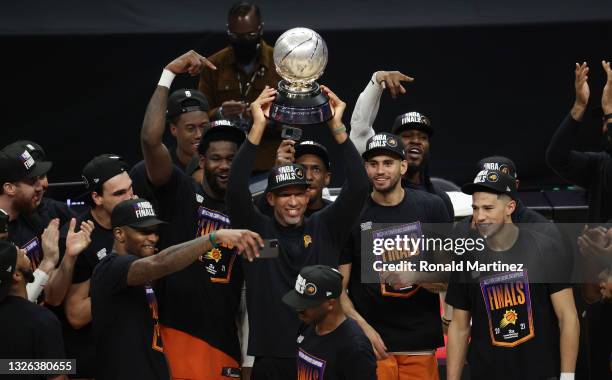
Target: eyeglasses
[{"x": 245, "y": 36}]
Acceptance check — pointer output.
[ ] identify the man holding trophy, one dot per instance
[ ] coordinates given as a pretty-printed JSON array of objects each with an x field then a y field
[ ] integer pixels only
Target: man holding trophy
[{"x": 299, "y": 241}]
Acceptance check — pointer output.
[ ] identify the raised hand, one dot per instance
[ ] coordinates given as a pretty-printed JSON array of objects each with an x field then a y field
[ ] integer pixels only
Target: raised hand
[
  {"x": 581, "y": 84},
  {"x": 49, "y": 241},
  {"x": 190, "y": 62},
  {"x": 247, "y": 243},
  {"x": 76, "y": 242},
  {"x": 338, "y": 107},
  {"x": 285, "y": 154},
  {"x": 393, "y": 81},
  {"x": 261, "y": 106},
  {"x": 606, "y": 96}
]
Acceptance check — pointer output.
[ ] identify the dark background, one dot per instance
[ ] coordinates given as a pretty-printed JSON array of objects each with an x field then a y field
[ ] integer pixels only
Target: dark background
[{"x": 492, "y": 80}]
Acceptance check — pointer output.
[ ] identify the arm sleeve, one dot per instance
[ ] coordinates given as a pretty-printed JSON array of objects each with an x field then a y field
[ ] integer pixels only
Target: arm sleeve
[
  {"x": 49, "y": 338},
  {"x": 349, "y": 203},
  {"x": 571, "y": 165},
  {"x": 359, "y": 363},
  {"x": 364, "y": 114},
  {"x": 240, "y": 207}
]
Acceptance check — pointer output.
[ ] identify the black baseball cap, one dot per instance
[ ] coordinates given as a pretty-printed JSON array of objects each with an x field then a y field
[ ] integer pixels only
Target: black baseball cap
[
  {"x": 102, "y": 168},
  {"x": 221, "y": 130},
  {"x": 500, "y": 163},
  {"x": 286, "y": 175},
  {"x": 17, "y": 163},
  {"x": 492, "y": 181},
  {"x": 186, "y": 100},
  {"x": 35, "y": 150},
  {"x": 382, "y": 143},
  {"x": 312, "y": 147},
  {"x": 135, "y": 213},
  {"x": 412, "y": 120},
  {"x": 8, "y": 262},
  {"x": 314, "y": 285}
]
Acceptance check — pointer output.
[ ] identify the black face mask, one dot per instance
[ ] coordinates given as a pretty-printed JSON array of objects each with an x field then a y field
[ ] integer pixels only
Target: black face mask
[{"x": 245, "y": 50}]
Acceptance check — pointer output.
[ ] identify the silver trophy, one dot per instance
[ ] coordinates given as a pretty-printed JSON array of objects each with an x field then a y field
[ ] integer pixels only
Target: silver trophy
[{"x": 300, "y": 56}]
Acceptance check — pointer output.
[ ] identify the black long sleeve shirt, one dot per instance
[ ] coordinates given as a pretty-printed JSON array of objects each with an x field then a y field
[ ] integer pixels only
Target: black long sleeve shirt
[
  {"x": 273, "y": 326},
  {"x": 590, "y": 170}
]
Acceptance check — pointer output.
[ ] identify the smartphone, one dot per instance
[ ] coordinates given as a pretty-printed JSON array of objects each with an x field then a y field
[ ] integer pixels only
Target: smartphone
[
  {"x": 290, "y": 133},
  {"x": 270, "y": 249}
]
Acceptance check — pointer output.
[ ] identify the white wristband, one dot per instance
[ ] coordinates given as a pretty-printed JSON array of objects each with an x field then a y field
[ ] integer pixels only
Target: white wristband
[
  {"x": 166, "y": 78},
  {"x": 566, "y": 376},
  {"x": 35, "y": 288}
]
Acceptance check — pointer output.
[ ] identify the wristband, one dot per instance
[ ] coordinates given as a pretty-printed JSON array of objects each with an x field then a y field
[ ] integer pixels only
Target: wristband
[
  {"x": 166, "y": 78},
  {"x": 211, "y": 238},
  {"x": 566, "y": 376},
  {"x": 337, "y": 131}
]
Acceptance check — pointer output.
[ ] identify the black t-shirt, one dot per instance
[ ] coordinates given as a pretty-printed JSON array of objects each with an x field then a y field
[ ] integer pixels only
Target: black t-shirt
[
  {"x": 101, "y": 244},
  {"x": 27, "y": 229},
  {"x": 141, "y": 185},
  {"x": 28, "y": 331},
  {"x": 514, "y": 332},
  {"x": 125, "y": 324},
  {"x": 343, "y": 354},
  {"x": 79, "y": 342},
  {"x": 209, "y": 289},
  {"x": 407, "y": 319},
  {"x": 273, "y": 325},
  {"x": 436, "y": 191}
]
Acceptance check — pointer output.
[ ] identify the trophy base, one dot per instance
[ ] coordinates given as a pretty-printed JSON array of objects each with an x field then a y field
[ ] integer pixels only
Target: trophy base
[{"x": 300, "y": 108}]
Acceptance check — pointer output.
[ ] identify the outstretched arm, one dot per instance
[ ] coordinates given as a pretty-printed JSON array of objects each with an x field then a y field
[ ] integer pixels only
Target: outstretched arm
[
  {"x": 157, "y": 158},
  {"x": 240, "y": 206},
  {"x": 568, "y": 163},
  {"x": 347, "y": 206},
  {"x": 177, "y": 257},
  {"x": 367, "y": 105}
]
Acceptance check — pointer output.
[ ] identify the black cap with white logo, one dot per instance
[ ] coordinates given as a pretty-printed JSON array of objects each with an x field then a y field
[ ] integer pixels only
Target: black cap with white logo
[
  {"x": 102, "y": 168},
  {"x": 8, "y": 262},
  {"x": 500, "y": 163},
  {"x": 412, "y": 120},
  {"x": 17, "y": 163},
  {"x": 492, "y": 181},
  {"x": 186, "y": 100},
  {"x": 384, "y": 143},
  {"x": 314, "y": 285},
  {"x": 221, "y": 130},
  {"x": 136, "y": 213},
  {"x": 286, "y": 175},
  {"x": 312, "y": 147}
]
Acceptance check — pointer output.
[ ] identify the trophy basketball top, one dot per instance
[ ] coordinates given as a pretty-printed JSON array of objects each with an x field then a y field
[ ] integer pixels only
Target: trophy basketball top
[{"x": 300, "y": 56}]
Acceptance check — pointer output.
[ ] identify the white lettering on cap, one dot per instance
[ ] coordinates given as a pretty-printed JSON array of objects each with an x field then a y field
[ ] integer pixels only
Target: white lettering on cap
[
  {"x": 188, "y": 93},
  {"x": 144, "y": 209},
  {"x": 481, "y": 177},
  {"x": 300, "y": 284},
  {"x": 414, "y": 117},
  {"x": 27, "y": 160}
]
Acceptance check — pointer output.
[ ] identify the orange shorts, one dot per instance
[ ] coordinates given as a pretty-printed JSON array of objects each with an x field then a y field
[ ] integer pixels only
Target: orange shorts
[
  {"x": 407, "y": 367},
  {"x": 194, "y": 359}
]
